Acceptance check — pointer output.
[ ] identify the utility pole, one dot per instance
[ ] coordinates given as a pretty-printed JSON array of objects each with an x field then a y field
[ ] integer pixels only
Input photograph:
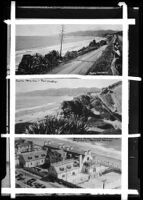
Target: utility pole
[{"x": 61, "y": 44}]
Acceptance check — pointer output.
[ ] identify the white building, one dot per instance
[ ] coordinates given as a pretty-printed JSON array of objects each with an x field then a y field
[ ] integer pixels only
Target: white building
[{"x": 32, "y": 159}]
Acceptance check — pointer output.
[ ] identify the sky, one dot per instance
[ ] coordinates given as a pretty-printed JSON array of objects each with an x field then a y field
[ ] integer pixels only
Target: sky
[
  {"x": 54, "y": 29},
  {"x": 27, "y": 86}
]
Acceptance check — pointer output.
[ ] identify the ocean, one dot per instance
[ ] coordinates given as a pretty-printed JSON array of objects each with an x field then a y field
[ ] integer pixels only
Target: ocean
[
  {"x": 32, "y": 107},
  {"x": 29, "y": 102}
]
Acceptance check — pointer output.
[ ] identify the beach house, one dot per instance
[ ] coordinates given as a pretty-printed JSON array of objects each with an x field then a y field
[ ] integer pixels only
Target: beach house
[{"x": 32, "y": 159}]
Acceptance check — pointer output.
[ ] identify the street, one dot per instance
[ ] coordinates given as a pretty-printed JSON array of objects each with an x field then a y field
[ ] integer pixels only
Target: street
[{"x": 79, "y": 65}]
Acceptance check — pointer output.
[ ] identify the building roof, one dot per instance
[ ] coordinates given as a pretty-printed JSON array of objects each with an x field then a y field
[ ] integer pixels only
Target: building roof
[
  {"x": 60, "y": 151},
  {"x": 34, "y": 155},
  {"x": 22, "y": 145},
  {"x": 76, "y": 151},
  {"x": 62, "y": 166},
  {"x": 52, "y": 145},
  {"x": 66, "y": 147},
  {"x": 63, "y": 162}
]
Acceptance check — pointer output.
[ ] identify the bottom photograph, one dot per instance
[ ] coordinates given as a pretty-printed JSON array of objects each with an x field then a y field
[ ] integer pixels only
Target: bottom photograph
[{"x": 68, "y": 163}]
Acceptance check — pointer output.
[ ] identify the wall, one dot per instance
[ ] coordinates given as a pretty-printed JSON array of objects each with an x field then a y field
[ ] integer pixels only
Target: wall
[
  {"x": 34, "y": 163},
  {"x": 68, "y": 174}
]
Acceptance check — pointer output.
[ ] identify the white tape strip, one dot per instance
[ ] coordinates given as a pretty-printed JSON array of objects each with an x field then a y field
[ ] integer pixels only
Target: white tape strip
[
  {"x": 67, "y": 190},
  {"x": 71, "y": 21}
]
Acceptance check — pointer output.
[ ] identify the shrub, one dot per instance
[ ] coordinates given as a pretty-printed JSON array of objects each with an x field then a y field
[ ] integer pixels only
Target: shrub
[
  {"x": 92, "y": 44},
  {"x": 37, "y": 64},
  {"x": 25, "y": 64},
  {"x": 79, "y": 107},
  {"x": 70, "y": 54},
  {"x": 82, "y": 49},
  {"x": 102, "y": 42},
  {"x": 84, "y": 99},
  {"x": 54, "y": 125},
  {"x": 52, "y": 58}
]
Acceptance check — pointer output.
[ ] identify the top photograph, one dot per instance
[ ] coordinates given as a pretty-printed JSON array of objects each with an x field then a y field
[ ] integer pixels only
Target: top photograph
[{"x": 75, "y": 49}]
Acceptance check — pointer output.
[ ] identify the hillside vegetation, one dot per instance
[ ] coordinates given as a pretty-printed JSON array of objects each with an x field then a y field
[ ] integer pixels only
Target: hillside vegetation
[{"x": 103, "y": 65}]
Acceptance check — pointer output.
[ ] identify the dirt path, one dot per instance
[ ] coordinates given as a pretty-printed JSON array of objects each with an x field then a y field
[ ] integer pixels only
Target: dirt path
[{"x": 81, "y": 64}]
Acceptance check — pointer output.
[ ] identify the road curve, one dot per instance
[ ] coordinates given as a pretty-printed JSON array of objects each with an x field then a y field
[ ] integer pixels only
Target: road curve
[{"x": 79, "y": 65}]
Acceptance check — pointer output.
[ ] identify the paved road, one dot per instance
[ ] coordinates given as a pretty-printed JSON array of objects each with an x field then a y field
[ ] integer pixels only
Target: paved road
[{"x": 81, "y": 64}]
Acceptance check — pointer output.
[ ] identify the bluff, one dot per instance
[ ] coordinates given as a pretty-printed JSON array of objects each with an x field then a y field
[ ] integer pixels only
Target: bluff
[{"x": 101, "y": 109}]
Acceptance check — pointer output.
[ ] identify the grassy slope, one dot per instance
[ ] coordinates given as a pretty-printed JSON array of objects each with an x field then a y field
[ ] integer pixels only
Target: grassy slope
[
  {"x": 103, "y": 63},
  {"x": 113, "y": 100}
]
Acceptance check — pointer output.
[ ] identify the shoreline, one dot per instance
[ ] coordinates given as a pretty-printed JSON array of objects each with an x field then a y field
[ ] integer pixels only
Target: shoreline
[{"x": 33, "y": 114}]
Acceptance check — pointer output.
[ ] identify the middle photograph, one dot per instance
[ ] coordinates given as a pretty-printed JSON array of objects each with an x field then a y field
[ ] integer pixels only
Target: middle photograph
[{"x": 68, "y": 106}]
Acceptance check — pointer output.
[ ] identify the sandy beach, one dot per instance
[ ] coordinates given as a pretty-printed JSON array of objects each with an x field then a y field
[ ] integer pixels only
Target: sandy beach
[{"x": 35, "y": 113}]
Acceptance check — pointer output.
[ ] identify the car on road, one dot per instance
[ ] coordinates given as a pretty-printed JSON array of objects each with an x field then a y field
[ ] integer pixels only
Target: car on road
[
  {"x": 43, "y": 186},
  {"x": 30, "y": 181},
  {"x": 37, "y": 185},
  {"x": 20, "y": 178},
  {"x": 19, "y": 175}
]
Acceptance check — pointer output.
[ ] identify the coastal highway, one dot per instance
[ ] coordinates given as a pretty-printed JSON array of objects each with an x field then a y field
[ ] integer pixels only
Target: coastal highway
[{"x": 79, "y": 65}]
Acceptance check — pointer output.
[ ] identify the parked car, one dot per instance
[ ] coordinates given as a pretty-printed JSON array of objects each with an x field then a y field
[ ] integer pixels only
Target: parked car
[
  {"x": 17, "y": 176},
  {"x": 20, "y": 178},
  {"x": 20, "y": 174},
  {"x": 43, "y": 186},
  {"x": 30, "y": 181},
  {"x": 37, "y": 185}
]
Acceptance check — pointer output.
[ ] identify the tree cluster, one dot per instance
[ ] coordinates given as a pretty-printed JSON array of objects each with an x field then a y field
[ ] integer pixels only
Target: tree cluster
[{"x": 38, "y": 64}]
